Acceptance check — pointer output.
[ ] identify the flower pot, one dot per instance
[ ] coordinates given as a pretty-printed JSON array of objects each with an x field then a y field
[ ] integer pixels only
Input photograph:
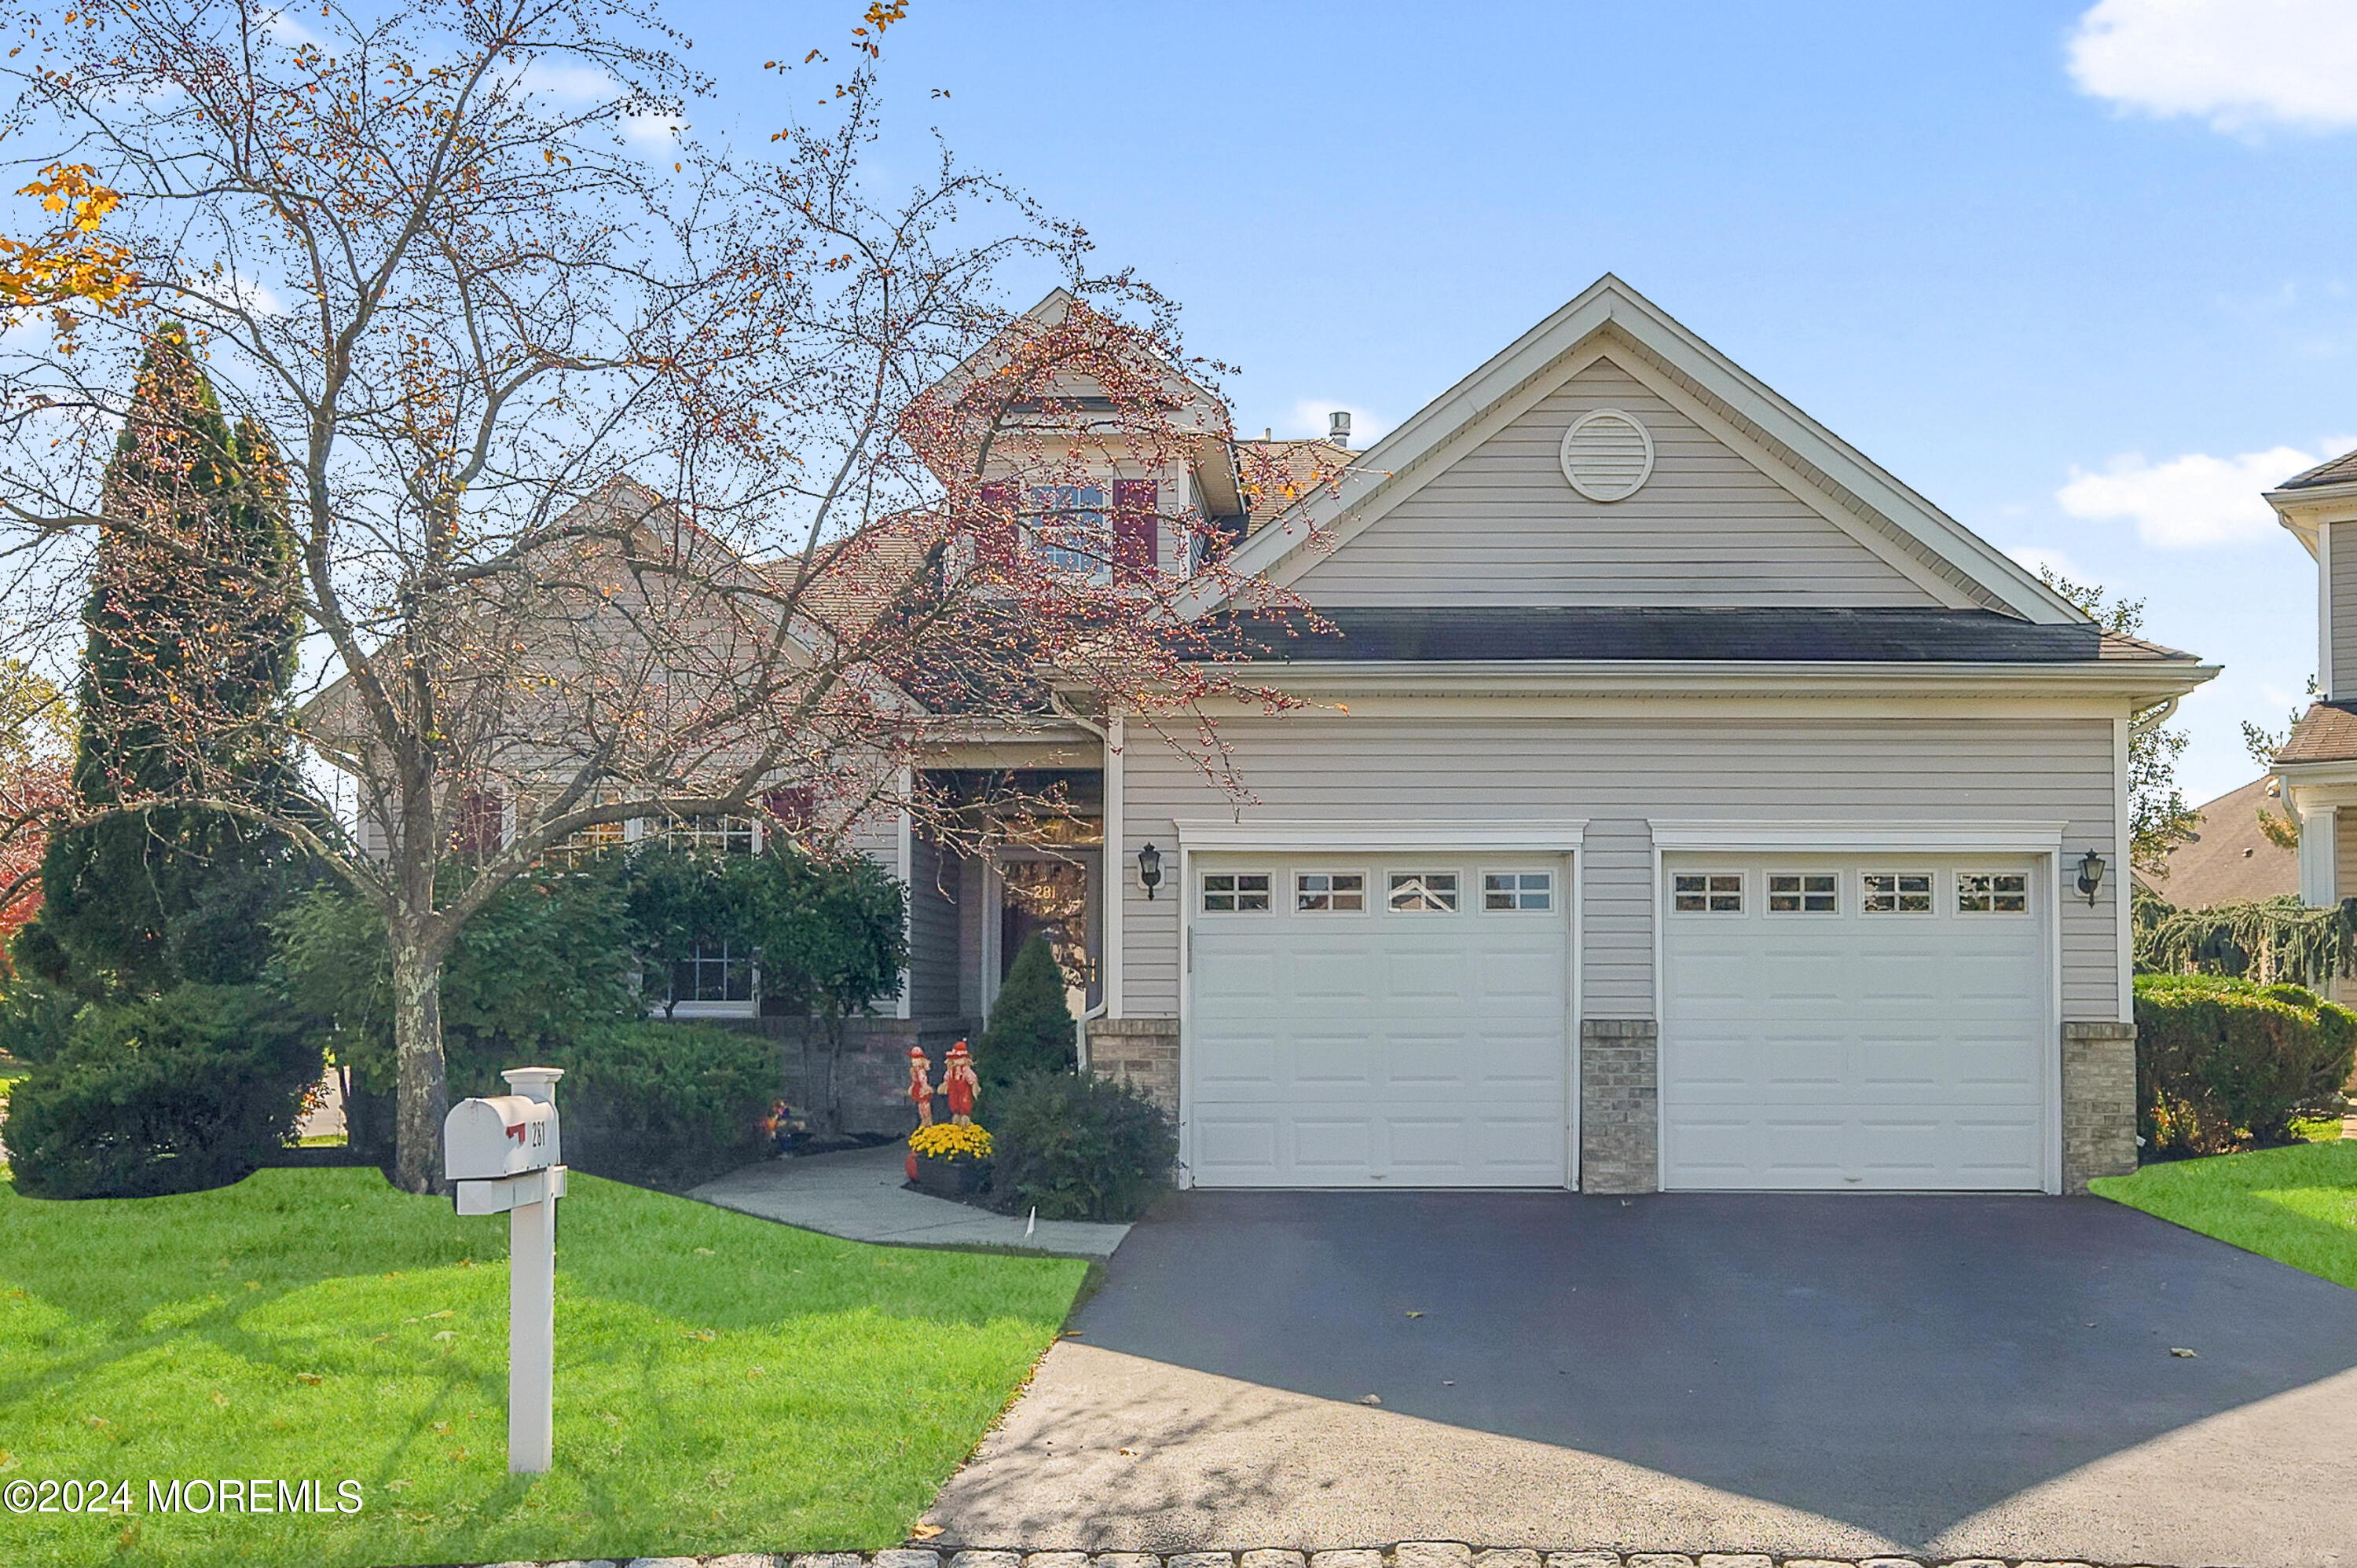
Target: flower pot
[{"x": 951, "y": 1179}]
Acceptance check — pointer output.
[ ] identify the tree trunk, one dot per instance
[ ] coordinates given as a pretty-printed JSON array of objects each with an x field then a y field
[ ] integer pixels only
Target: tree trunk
[
  {"x": 834, "y": 1072},
  {"x": 425, "y": 1097}
]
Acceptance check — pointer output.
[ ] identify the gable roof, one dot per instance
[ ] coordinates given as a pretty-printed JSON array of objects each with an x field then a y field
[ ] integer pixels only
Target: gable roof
[
  {"x": 1957, "y": 566},
  {"x": 2228, "y": 860},
  {"x": 2340, "y": 470}
]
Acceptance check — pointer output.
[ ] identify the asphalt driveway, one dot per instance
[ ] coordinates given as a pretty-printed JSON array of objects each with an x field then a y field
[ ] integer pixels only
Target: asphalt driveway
[{"x": 1840, "y": 1375}]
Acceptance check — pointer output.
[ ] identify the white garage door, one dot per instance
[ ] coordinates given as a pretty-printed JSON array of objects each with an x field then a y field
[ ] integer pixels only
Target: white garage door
[
  {"x": 1855, "y": 1024},
  {"x": 1362, "y": 1020}
]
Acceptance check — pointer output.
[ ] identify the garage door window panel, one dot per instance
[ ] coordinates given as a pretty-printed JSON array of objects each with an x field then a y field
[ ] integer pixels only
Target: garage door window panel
[
  {"x": 1895, "y": 893},
  {"x": 1707, "y": 892},
  {"x": 1236, "y": 892},
  {"x": 1992, "y": 892},
  {"x": 1422, "y": 893},
  {"x": 1518, "y": 892},
  {"x": 1329, "y": 892},
  {"x": 1803, "y": 892}
]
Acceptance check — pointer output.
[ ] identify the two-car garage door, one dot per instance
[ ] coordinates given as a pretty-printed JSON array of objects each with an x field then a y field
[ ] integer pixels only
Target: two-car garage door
[{"x": 1829, "y": 1021}]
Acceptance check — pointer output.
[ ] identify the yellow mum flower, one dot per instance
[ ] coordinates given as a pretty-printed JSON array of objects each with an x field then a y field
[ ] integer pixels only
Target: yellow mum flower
[{"x": 946, "y": 1142}]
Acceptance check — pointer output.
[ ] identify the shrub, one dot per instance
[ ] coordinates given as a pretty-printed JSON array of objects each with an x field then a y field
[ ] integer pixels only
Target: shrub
[
  {"x": 1032, "y": 1027},
  {"x": 1079, "y": 1147},
  {"x": 2227, "y": 1064},
  {"x": 190, "y": 1090},
  {"x": 663, "y": 1105}
]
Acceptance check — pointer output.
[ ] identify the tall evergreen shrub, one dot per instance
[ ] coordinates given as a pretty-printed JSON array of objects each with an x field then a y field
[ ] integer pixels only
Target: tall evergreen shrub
[{"x": 1032, "y": 1027}]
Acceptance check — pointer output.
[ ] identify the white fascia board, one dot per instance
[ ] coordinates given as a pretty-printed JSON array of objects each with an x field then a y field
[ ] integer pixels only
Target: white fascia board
[
  {"x": 2333, "y": 783},
  {"x": 1305, "y": 836},
  {"x": 1439, "y": 426},
  {"x": 1946, "y": 837},
  {"x": 1664, "y": 678}
]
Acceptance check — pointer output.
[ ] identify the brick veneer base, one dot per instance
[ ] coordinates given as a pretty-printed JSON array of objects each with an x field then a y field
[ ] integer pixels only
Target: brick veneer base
[
  {"x": 1620, "y": 1104},
  {"x": 2099, "y": 1102}
]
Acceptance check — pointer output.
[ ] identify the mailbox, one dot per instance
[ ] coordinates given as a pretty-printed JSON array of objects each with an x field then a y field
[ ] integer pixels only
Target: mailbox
[{"x": 504, "y": 1136}]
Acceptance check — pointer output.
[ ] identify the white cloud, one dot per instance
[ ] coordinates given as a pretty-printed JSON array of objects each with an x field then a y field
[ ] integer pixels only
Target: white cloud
[
  {"x": 2242, "y": 64},
  {"x": 2190, "y": 502},
  {"x": 1309, "y": 417}
]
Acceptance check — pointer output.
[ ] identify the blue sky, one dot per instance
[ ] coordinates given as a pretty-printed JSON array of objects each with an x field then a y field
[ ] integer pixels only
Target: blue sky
[{"x": 2087, "y": 279}]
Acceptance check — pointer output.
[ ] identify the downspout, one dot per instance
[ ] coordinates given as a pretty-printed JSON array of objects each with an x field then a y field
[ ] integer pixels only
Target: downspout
[{"x": 1056, "y": 705}]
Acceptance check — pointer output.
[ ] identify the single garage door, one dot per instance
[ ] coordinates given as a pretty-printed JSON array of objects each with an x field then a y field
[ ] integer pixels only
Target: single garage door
[
  {"x": 1394, "y": 1020},
  {"x": 1841, "y": 1024}
]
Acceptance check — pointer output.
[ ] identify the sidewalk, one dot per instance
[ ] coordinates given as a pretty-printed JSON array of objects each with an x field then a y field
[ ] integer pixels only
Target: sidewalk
[{"x": 858, "y": 1195}]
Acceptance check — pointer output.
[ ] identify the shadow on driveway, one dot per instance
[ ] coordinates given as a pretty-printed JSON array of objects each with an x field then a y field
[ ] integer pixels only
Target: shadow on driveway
[{"x": 1899, "y": 1364}]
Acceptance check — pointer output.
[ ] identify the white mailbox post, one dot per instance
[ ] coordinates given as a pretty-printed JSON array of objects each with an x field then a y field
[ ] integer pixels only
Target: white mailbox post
[{"x": 505, "y": 1156}]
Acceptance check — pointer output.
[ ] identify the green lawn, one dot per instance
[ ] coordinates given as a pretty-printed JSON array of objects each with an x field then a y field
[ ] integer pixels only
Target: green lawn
[
  {"x": 2297, "y": 1205},
  {"x": 722, "y": 1384}
]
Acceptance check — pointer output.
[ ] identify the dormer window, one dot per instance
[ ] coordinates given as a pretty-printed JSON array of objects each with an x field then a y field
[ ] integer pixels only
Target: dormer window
[
  {"x": 1070, "y": 528},
  {"x": 1098, "y": 531}
]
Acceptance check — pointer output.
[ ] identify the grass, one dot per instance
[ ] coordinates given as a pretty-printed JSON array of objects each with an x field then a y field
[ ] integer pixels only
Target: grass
[
  {"x": 2296, "y": 1204},
  {"x": 722, "y": 1384}
]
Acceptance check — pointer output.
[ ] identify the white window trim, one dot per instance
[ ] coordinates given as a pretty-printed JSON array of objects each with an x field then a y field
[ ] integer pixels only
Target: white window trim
[
  {"x": 1275, "y": 876},
  {"x": 1294, "y": 874},
  {"x": 1931, "y": 909},
  {"x": 1480, "y": 904},
  {"x": 1917, "y": 840},
  {"x": 1451, "y": 871},
  {"x": 1742, "y": 911},
  {"x": 1956, "y": 896},
  {"x": 1767, "y": 895}
]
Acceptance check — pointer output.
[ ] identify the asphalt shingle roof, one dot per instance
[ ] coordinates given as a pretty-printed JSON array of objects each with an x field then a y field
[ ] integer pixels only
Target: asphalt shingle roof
[
  {"x": 1794, "y": 636},
  {"x": 2340, "y": 470}
]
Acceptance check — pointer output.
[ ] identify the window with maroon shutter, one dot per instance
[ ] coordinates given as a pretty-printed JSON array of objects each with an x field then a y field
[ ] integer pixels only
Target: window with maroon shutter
[
  {"x": 791, "y": 807},
  {"x": 1137, "y": 527},
  {"x": 995, "y": 537},
  {"x": 482, "y": 825}
]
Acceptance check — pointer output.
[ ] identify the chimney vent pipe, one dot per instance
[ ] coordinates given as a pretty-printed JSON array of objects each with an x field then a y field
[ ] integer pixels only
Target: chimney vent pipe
[{"x": 1337, "y": 427}]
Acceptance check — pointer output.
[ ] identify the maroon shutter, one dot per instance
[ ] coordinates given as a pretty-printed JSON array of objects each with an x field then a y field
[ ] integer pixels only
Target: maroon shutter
[
  {"x": 995, "y": 531},
  {"x": 1137, "y": 527},
  {"x": 791, "y": 809},
  {"x": 482, "y": 825}
]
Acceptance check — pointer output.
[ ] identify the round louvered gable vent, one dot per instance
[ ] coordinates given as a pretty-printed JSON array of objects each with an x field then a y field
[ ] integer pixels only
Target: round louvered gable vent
[{"x": 1608, "y": 455}]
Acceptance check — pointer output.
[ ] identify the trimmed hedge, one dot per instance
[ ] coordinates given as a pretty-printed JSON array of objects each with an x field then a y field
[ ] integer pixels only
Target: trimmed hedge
[
  {"x": 1079, "y": 1147},
  {"x": 2225, "y": 1064},
  {"x": 661, "y": 1105},
  {"x": 191, "y": 1090}
]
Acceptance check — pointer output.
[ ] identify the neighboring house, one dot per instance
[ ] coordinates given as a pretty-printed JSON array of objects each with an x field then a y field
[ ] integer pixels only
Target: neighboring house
[
  {"x": 2317, "y": 763},
  {"x": 1690, "y": 804},
  {"x": 2228, "y": 860}
]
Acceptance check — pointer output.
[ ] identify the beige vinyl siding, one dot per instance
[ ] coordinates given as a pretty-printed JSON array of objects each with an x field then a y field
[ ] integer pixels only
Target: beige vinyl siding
[
  {"x": 932, "y": 930},
  {"x": 1620, "y": 774},
  {"x": 2342, "y": 681},
  {"x": 1501, "y": 525}
]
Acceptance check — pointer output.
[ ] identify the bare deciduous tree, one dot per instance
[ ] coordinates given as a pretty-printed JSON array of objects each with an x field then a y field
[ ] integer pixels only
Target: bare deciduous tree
[{"x": 632, "y": 477}]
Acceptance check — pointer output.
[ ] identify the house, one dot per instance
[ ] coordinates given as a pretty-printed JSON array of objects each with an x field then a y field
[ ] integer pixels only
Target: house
[
  {"x": 1685, "y": 803},
  {"x": 2230, "y": 859},
  {"x": 2317, "y": 763},
  {"x": 1679, "y": 802}
]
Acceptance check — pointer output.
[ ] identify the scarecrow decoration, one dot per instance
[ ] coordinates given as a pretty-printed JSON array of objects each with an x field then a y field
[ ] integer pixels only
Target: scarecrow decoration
[
  {"x": 920, "y": 1089},
  {"x": 959, "y": 1083}
]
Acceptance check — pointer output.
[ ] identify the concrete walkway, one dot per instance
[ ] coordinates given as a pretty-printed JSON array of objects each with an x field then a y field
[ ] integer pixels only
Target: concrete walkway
[{"x": 859, "y": 1196}]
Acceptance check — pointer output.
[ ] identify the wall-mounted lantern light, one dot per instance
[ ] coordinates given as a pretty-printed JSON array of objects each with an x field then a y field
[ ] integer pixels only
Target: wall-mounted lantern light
[
  {"x": 1149, "y": 870},
  {"x": 2090, "y": 874}
]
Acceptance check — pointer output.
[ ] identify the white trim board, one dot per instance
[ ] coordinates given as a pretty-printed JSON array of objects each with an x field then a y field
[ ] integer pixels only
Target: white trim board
[
  {"x": 1329, "y": 835},
  {"x": 1857, "y": 838}
]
